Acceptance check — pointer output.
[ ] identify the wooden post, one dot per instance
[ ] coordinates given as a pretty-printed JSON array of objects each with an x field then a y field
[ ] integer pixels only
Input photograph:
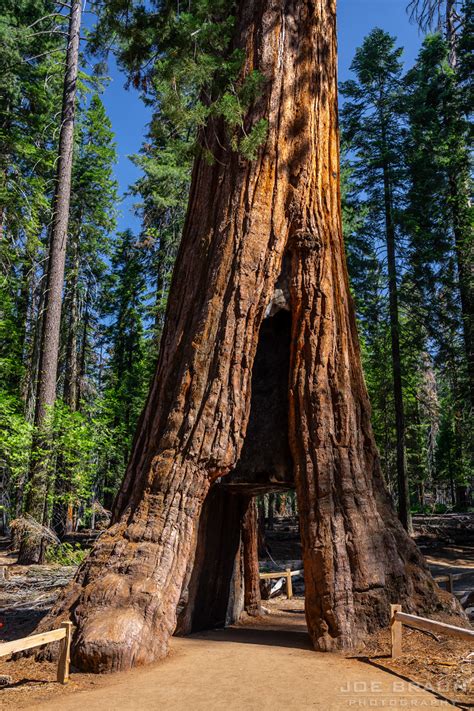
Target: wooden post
[
  {"x": 64, "y": 657},
  {"x": 289, "y": 584},
  {"x": 396, "y": 631},
  {"x": 450, "y": 583}
]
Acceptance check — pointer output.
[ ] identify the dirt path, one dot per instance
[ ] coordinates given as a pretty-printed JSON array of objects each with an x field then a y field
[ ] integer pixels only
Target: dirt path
[
  {"x": 7, "y": 558},
  {"x": 266, "y": 666}
]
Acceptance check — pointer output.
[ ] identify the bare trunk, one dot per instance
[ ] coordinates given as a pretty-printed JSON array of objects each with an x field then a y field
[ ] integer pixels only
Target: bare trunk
[
  {"x": 71, "y": 364},
  {"x": 30, "y": 338},
  {"x": 451, "y": 34},
  {"x": 462, "y": 227},
  {"x": 31, "y": 376},
  {"x": 271, "y": 512},
  {"x": 83, "y": 358},
  {"x": 262, "y": 545},
  {"x": 242, "y": 218},
  {"x": 63, "y": 509},
  {"x": 29, "y": 386},
  {"x": 404, "y": 512},
  {"x": 57, "y": 248},
  {"x": 252, "y": 599},
  {"x": 49, "y": 348},
  {"x": 464, "y": 253}
]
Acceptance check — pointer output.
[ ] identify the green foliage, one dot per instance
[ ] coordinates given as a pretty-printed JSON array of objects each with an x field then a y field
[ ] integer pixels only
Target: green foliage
[
  {"x": 66, "y": 554},
  {"x": 31, "y": 60},
  {"x": 182, "y": 59},
  {"x": 15, "y": 440},
  {"x": 437, "y": 223},
  {"x": 250, "y": 144},
  {"x": 372, "y": 132},
  {"x": 75, "y": 438},
  {"x": 29, "y": 91},
  {"x": 415, "y": 125}
]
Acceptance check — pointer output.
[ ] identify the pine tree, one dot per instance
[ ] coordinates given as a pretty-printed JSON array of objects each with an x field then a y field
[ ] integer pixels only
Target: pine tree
[
  {"x": 31, "y": 38},
  {"x": 125, "y": 375},
  {"x": 166, "y": 160},
  {"x": 436, "y": 140},
  {"x": 92, "y": 220},
  {"x": 368, "y": 284},
  {"x": 38, "y": 484},
  {"x": 372, "y": 128},
  {"x": 454, "y": 19}
]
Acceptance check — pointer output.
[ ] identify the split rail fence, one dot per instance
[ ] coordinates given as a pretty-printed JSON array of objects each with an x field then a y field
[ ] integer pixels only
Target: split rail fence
[
  {"x": 449, "y": 580},
  {"x": 63, "y": 635},
  {"x": 399, "y": 618},
  {"x": 288, "y": 574}
]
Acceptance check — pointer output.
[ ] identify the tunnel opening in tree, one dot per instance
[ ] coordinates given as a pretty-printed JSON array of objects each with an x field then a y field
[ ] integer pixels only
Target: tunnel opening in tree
[{"x": 223, "y": 579}]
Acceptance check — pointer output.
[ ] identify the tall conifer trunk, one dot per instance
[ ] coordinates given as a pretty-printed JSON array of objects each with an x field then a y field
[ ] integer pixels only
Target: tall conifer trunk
[
  {"x": 71, "y": 358},
  {"x": 252, "y": 597},
  {"x": 84, "y": 347},
  {"x": 402, "y": 474},
  {"x": 63, "y": 508},
  {"x": 35, "y": 505},
  {"x": 461, "y": 219},
  {"x": 243, "y": 217}
]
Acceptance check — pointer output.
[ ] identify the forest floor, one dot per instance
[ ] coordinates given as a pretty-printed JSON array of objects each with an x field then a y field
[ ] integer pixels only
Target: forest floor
[{"x": 266, "y": 663}]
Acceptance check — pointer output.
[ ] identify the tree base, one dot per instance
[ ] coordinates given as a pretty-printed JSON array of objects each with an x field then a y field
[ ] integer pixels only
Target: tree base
[{"x": 31, "y": 551}]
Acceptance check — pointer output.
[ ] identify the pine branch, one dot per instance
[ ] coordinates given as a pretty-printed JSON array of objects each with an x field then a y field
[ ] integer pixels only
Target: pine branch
[{"x": 45, "y": 17}]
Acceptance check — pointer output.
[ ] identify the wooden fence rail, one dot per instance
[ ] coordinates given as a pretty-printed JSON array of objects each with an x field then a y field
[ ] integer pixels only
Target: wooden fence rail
[
  {"x": 399, "y": 618},
  {"x": 283, "y": 574},
  {"x": 449, "y": 580},
  {"x": 63, "y": 634}
]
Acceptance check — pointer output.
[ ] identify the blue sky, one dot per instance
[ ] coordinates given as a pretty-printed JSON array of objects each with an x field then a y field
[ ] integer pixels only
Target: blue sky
[{"x": 355, "y": 20}]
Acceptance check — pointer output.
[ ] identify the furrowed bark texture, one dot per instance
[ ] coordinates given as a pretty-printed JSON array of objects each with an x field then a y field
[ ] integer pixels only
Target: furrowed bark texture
[
  {"x": 243, "y": 216},
  {"x": 252, "y": 597}
]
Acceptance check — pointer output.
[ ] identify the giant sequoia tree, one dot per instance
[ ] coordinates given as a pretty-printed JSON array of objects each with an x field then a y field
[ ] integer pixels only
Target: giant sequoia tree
[{"x": 262, "y": 241}]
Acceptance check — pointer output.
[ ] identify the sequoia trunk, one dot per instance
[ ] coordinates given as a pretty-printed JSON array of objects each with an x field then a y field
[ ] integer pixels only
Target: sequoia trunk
[
  {"x": 243, "y": 217},
  {"x": 252, "y": 598}
]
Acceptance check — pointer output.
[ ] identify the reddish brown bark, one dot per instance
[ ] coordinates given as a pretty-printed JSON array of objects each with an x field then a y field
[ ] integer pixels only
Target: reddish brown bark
[
  {"x": 243, "y": 218},
  {"x": 252, "y": 598}
]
